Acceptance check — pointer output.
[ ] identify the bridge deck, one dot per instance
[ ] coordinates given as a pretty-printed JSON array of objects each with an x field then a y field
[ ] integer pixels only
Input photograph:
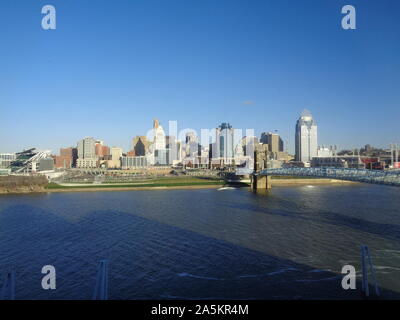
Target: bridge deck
[{"x": 360, "y": 175}]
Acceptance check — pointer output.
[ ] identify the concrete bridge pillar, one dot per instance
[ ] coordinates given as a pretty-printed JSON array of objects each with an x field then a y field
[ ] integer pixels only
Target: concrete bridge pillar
[
  {"x": 261, "y": 182},
  {"x": 260, "y": 162}
]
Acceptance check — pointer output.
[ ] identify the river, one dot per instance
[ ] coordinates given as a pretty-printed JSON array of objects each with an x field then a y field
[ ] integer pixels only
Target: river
[{"x": 287, "y": 243}]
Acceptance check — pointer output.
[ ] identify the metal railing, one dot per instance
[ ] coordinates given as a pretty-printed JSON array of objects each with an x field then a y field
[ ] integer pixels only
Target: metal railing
[{"x": 360, "y": 175}]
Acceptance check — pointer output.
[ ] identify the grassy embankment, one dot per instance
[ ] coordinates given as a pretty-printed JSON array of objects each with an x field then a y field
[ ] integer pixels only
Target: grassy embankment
[
  {"x": 164, "y": 182},
  {"x": 149, "y": 183}
]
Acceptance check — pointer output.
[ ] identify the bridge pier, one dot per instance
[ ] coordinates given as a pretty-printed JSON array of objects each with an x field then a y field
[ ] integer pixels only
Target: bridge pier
[{"x": 261, "y": 182}]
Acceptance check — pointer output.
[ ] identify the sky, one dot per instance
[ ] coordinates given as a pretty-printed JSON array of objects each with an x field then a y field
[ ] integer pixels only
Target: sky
[{"x": 111, "y": 67}]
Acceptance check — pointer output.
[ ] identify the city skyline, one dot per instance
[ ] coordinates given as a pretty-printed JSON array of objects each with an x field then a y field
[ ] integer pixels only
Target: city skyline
[
  {"x": 286, "y": 143},
  {"x": 253, "y": 64}
]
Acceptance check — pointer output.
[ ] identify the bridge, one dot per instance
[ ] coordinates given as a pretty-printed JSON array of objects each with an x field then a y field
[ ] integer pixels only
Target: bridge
[{"x": 260, "y": 179}]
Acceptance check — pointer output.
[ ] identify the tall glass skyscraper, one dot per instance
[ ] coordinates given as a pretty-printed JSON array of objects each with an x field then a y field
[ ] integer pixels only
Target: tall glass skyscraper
[
  {"x": 306, "y": 137},
  {"x": 225, "y": 141}
]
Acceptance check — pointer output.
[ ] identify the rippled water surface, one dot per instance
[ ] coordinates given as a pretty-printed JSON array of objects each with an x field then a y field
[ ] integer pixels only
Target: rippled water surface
[{"x": 289, "y": 243}]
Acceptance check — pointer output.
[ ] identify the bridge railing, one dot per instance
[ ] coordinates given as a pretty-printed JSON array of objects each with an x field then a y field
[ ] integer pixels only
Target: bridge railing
[{"x": 349, "y": 174}]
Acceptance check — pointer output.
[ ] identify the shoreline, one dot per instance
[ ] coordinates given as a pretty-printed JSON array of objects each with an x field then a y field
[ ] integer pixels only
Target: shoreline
[
  {"x": 275, "y": 182},
  {"x": 96, "y": 189}
]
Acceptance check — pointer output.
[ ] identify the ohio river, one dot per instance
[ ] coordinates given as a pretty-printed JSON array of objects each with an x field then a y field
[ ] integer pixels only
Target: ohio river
[{"x": 289, "y": 243}]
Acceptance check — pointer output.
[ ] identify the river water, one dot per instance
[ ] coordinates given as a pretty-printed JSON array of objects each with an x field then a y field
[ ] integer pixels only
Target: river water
[{"x": 287, "y": 243}]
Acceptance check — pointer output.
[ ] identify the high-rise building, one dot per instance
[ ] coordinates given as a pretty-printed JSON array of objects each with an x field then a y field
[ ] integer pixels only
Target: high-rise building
[
  {"x": 161, "y": 157},
  {"x": 247, "y": 146},
  {"x": 224, "y": 142},
  {"x": 159, "y": 142},
  {"x": 87, "y": 149},
  {"x": 192, "y": 146},
  {"x": 87, "y": 153},
  {"x": 140, "y": 145},
  {"x": 174, "y": 147},
  {"x": 306, "y": 137},
  {"x": 274, "y": 141}
]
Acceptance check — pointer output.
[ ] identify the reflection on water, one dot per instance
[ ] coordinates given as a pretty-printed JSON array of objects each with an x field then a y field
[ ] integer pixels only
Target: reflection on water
[{"x": 287, "y": 243}]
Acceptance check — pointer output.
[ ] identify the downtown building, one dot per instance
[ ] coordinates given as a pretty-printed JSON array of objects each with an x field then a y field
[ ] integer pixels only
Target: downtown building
[
  {"x": 116, "y": 156},
  {"x": 306, "y": 138},
  {"x": 140, "y": 146},
  {"x": 273, "y": 140},
  {"x": 230, "y": 147},
  {"x": 225, "y": 135},
  {"x": 222, "y": 151},
  {"x": 66, "y": 159},
  {"x": 158, "y": 153},
  {"x": 87, "y": 157},
  {"x": 102, "y": 151},
  {"x": 135, "y": 162}
]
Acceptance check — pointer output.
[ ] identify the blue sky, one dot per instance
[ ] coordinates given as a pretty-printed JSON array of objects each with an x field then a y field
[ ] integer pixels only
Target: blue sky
[{"x": 110, "y": 67}]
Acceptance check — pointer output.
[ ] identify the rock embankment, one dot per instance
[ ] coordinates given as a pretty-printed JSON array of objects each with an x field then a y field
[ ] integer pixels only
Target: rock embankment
[{"x": 22, "y": 184}]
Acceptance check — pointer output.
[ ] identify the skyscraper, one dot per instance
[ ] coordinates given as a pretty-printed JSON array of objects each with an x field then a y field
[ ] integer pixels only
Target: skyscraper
[
  {"x": 225, "y": 141},
  {"x": 159, "y": 142},
  {"x": 306, "y": 137},
  {"x": 157, "y": 150}
]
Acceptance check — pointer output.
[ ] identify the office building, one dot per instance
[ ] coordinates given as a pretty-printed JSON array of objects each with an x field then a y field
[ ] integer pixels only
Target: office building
[
  {"x": 246, "y": 146},
  {"x": 87, "y": 149},
  {"x": 159, "y": 142},
  {"x": 161, "y": 157},
  {"x": 86, "y": 163},
  {"x": 306, "y": 138},
  {"x": 87, "y": 157},
  {"x": 116, "y": 155},
  {"x": 224, "y": 142},
  {"x": 192, "y": 146},
  {"x": 101, "y": 150},
  {"x": 67, "y": 158},
  {"x": 175, "y": 149},
  {"x": 273, "y": 140},
  {"x": 134, "y": 162},
  {"x": 140, "y": 145}
]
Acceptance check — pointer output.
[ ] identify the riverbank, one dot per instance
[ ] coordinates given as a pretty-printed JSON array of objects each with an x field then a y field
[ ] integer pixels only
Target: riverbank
[
  {"x": 97, "y": 189},
  {"x": 174, "y": 183},
  {"x": 22, "y": 184}
]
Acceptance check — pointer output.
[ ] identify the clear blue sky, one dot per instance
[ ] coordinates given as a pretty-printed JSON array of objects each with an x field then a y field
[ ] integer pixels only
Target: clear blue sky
[{"x": 112, "y": 66}]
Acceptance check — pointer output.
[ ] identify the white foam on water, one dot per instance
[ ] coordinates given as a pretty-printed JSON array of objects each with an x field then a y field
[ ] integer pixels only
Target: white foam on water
[{"x": 184, "y": 274}]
